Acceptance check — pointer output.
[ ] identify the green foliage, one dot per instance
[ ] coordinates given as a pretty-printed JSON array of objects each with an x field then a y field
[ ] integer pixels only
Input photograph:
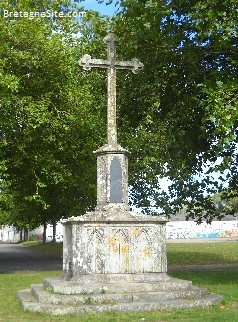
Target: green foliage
[
  {"x": 51, "y": 119},
  {"x": 179, "y": 117},
  {"x": 226, "y": 202}
]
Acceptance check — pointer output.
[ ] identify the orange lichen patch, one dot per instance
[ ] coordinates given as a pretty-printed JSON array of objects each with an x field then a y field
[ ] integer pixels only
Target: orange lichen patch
[
  {"x": 125, "y": 248},
  {"x": 113, "y": 244},
  {"x": 126, "y": 261},
  {"x": 146, "y": 252},
  {"x": 137, "y": 231},
  {"x": 118, "y": 244}
]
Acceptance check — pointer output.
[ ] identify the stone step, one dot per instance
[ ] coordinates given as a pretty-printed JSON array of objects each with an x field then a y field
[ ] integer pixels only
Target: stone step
[
  {"x": 193, "y": 293},
  {"x": 116, "y": 278},
  {"x": 58, "y": 286},
  {"x": 43, "y": 296},
  {"x": 29, "y": 302}
]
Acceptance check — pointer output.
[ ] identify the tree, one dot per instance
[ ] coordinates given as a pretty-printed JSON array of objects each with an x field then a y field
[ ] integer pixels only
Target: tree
[
  {"x": 226, "y": 202},
  {"x": 49, "y": 117},
  {"x": 179, "y": 118}
]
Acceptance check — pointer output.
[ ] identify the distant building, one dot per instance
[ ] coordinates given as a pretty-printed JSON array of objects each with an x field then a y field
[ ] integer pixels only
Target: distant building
[{"x": 10, "y": 233}]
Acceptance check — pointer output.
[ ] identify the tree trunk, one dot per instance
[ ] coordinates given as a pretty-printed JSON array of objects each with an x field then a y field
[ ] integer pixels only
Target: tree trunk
[
  {"x": 26, "y": 234},
  {"x": 54, "y": 232},
  {"x": 44, "y": 234}
]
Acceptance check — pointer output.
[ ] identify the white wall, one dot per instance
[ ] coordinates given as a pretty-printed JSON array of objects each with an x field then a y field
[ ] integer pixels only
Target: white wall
[{"x": 189, "y": 229}]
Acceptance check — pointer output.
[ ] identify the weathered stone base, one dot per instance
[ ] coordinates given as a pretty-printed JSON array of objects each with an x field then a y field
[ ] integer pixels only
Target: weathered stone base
[
  {"x": 115, "y": 293},
  {"x": 114, "y": 242}
]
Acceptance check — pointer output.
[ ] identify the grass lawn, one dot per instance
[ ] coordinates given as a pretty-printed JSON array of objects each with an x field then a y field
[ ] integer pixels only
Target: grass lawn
[
  {"x": 223, "y": 281},
  {"x": 48, "y": 248},
  {"x": 203, "y": 253}
]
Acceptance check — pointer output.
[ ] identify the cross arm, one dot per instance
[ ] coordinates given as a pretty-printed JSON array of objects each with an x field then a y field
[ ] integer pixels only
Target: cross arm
[
  {"x": 87, "y": 62},
  {"x": 134, "y": 65}
]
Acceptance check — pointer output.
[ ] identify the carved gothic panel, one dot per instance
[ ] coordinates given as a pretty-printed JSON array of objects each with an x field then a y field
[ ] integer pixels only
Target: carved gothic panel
[
  {"x": 119, "y": 250},
  {"x": 142, "y": 249},
  {"x": 94, "y": 254}
]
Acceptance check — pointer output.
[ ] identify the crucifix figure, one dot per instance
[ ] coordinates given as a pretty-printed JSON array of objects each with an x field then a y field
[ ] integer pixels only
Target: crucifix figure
[{"x": 112, "y": 65}]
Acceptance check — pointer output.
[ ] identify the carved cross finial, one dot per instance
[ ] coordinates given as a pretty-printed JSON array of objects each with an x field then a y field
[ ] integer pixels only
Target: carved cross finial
[{"x": 111, "y": 65}]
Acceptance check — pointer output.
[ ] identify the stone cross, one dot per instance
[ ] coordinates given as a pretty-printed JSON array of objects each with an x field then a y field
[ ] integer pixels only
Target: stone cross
[{"x": 111, "y": 64}]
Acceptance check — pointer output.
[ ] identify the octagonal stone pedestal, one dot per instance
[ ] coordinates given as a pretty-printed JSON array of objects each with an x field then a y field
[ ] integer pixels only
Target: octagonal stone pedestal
[{"x": 114, "y": 242}]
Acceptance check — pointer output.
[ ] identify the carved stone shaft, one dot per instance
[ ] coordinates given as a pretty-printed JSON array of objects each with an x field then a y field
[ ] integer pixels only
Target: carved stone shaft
[{"x": 112, "y": 159}]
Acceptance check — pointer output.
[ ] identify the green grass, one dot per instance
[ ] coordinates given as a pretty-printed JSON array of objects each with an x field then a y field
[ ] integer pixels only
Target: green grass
[
  {"x": 223, "y": 281},
  {"x": 202, "y": 253},
  {"x": 48, "y": 248}
]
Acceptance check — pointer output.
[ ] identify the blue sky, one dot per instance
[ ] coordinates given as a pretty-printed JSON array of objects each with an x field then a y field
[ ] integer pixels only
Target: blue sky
[{"x": 102, "y": 8}]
